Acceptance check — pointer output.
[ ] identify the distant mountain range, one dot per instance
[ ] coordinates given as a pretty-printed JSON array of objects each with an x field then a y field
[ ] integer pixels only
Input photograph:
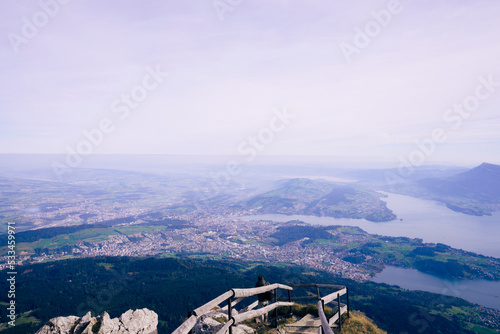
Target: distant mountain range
[
  {"x": 480, "y": 183},
  {"x": 320, "y": 198},
  {"x": 475, "y": 192}
]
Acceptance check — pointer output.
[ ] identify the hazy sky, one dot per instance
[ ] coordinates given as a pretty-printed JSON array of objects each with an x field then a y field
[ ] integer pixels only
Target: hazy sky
[{"x": 359, "y": 79}]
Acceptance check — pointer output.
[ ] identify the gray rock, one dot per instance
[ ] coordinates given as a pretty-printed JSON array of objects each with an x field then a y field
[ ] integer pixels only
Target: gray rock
[
  {"x": 82, "y": 323},
  {"x": 59, "y": 325},
  {"x": 90, "y": 325},
  {"x": 243, "y": 329},
  {"x": 108, "y": 325},
  {"x": 207, "y": 325},
  {"x": 141, "y": 321}
]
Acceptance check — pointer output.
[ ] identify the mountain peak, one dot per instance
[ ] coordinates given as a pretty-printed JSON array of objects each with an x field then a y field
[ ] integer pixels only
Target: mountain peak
[
  {"x": 488, "y": 166},
  {"x": 485, "y": 170},
  {"x": 476, "y": 191}
]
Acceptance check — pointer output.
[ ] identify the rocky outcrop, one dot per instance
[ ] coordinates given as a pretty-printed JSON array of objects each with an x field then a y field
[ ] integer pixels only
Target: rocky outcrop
[
  {"x": 141, "y": 321},
  {"x": 212, "y": 322}
]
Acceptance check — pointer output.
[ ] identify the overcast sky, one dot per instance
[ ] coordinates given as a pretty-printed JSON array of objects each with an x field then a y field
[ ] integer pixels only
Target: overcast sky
[{"x": 354, "y": 87}]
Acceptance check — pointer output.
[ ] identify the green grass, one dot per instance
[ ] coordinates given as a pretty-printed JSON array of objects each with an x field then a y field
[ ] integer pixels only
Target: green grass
[
  {"x": 252, "y": 242},
  {"x": 319, "y": 242},
  {"x": 282, "y": 264},
  {"x": 457, "y": 310},
  {"x": 169, "y": 255},
  {"x": 350, "y": 230},
  {"x": 482, "y": 330},
  {"x": 205, "y": 257},
  {"x": 23, "y": 318},
  {"x": 400, "y": 250},
  {"x": 88, "y": 235},
  {"x": 26, "y": 320},
  {"x": 358, "y": 323}
]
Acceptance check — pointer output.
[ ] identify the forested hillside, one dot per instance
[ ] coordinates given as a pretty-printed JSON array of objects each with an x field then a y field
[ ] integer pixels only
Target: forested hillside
[{"x": 172, "y": 287}]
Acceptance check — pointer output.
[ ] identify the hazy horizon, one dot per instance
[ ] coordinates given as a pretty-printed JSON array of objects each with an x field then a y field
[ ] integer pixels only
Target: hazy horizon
[
  {"x": 380, "y": 81},
  {"x": 186, "y": 159}
]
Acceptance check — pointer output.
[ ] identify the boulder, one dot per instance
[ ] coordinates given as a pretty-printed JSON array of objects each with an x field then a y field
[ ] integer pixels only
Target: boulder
[
  {"x": 242, "y": 329},
  {"x": 141, "y": 321},
  {"x": 82, "y": 323},
  {"x": 59, "y": 325},
  {"x": 108, "y": 325},
  {"x": 208, "y": 325}
]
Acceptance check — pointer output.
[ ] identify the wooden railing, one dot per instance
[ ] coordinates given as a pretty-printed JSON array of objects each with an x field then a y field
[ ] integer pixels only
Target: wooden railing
[
  {"x": 322, "y": 301},
  {"x": 234, "y": 296},
  {"x": 228, "y": 296}
]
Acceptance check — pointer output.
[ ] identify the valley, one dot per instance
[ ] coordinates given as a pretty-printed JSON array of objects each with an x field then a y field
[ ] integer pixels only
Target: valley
[{"x": 105, "y": 214}]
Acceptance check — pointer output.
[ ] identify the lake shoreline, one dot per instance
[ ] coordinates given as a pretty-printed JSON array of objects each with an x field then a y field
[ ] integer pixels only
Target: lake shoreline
[
  {"x": 475, "y": 291},
  {"x": 428, "y": 220}
]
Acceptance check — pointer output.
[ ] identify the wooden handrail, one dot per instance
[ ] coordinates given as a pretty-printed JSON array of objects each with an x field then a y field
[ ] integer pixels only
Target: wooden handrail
[
  {"x": 186, "y": 326},
  {"x": 315, "y": 285},
  {"x": 334, "y": 303},
  {"x": 258, "y": 312},
  {"x": 213, "y": 303},
  {"x": 225, "y": 328},
  {"x": 332, "y": 296},
  {"x": 324, "y": 321},
  {"x": 252, "y": 306},
  {"x": 255, "y": 291},
  {"x": 251, "y": 314},
  {"x": 335, "y": 317},
  {"x": 240, "y": 294}
]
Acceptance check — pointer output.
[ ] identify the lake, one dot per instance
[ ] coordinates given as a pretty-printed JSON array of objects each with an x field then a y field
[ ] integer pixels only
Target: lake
[
  {"x": 429, "y": 220},
  {"x": 477, "y": 291}
]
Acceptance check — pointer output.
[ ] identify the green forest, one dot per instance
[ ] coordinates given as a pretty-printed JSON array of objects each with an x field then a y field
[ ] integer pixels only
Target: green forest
[{"x": 173, "y": 286}]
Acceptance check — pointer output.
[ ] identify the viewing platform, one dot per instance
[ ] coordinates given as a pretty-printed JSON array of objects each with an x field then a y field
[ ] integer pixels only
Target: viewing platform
[{"x": 220, "y": 315}]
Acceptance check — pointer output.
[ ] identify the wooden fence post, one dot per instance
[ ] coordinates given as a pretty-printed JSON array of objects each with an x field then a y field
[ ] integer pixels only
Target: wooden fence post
[
  {"x": 340, "y": 314},
  {"x": 276, "y": 309},
  {"x": 229, "y": 314},
  {"x": 290, "y": 300},
  {"x": 347, "y": 296}
]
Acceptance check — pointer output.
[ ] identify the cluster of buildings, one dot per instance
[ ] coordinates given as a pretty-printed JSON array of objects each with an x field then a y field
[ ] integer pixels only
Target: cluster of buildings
[{"x": 216, "y": 235}]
